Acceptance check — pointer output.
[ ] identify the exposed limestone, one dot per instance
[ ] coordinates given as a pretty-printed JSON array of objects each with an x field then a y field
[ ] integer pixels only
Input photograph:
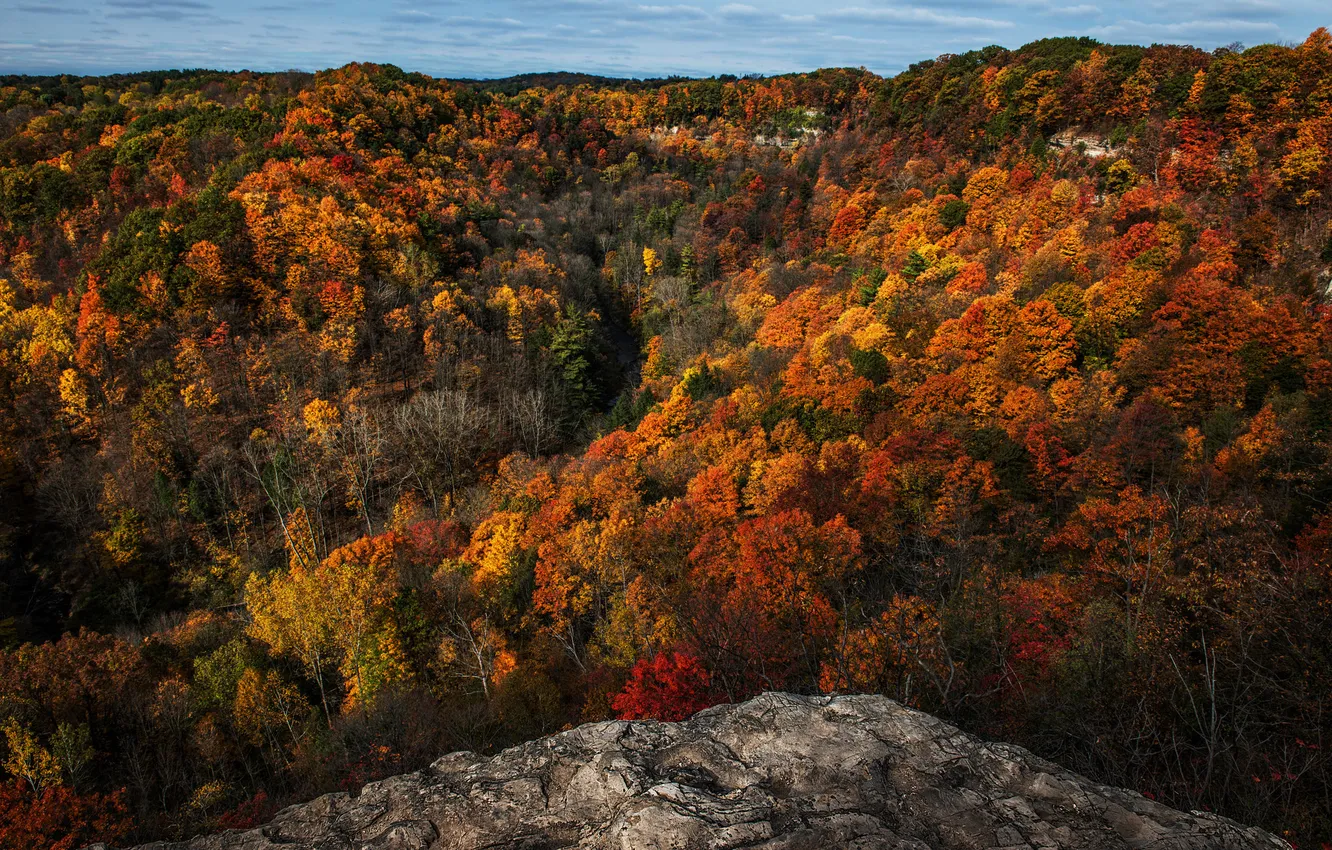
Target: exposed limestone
[
  {"x": 1089, "y": 145},
  {"x": 779, "y": 772}
]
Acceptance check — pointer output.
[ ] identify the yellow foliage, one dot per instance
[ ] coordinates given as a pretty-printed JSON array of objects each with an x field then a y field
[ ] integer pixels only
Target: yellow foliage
[
  {"x": 1064, "y": 195},
  {"x": 208, "y": 796},
  {"x": 264, "y": 704},
  {"x": 893, "y": 287},
  {"x": 658, "y": 364},
  {"x": 660, "y": 426},
  {"x": 874, "y": 337},
  {"x": 409, "y": 509},
  {"x": 495, "y": 547},
  {"x": 28, "y": 759},
  {"x": 634, "y": 624},
  {"x": 900, "y": 654},
  {"x": 1249, "y": 449},
  {"x": 651, "y": 262},
  {"x": 74, "y": 398},
  {"x": 941, "y": 270},
  {"x": 985, "y": 186},
  {"x": 211, "y": 279},
  {"x": 300, "y": 540},
  {"x": 197, "y": 392},
  {"x": 1304, "y": 159},
  {"x": 321, "y": 420},
  {"x": 336, "y": 615}
]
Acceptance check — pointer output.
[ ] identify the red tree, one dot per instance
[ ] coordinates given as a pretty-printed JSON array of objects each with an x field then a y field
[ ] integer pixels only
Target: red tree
[
  {"x": 58, "y": 818},
  {"x": 672, "y": 686}
]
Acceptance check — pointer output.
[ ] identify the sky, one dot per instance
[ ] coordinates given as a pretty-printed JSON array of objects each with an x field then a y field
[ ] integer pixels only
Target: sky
[{"x": 494, "y": 38}]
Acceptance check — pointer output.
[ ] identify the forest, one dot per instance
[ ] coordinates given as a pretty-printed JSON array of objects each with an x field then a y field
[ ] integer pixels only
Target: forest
[{"x": 352, "y": 418}]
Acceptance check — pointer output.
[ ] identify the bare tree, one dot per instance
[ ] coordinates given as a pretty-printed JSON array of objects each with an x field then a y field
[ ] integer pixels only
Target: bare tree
[
  {"x": 362, "y": 443},
  {"x": 443, "y": 433},
  {"x": 531, "y": 417},
  {"x": 290, "y": 480}
]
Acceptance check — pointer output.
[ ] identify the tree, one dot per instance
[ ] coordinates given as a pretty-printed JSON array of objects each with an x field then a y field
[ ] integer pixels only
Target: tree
[
  {"x": 441, "y": 433},
  {"x": 265, "y": 706},
  {"x": 764, "y": 611},
  {"x": 651, "y": 262},
  {"x": 338, "y": 614},
  {"x": 1125, "y": 543},
  {"x": 573, "y": 354},
  {"x": 531, "y": 416},
  {"x": 358, "y": 583},
  {"x": 60, "y": 819},
  {"x": 903, "y": 653},
  {"x": 287, "y": 615},
  {"x": 28, "y": 759},
  {"x": 671, "y": 686}
]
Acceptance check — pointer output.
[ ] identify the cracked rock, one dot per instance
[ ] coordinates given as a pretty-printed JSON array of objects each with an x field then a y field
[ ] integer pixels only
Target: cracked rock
[{"x": 779, "y": 772}]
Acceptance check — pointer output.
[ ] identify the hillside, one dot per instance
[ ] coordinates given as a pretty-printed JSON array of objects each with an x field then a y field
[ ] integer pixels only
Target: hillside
[{"x": 351, "y": 418}]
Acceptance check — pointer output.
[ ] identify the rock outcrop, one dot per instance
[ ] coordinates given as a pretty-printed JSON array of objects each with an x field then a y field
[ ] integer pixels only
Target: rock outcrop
[
  {"x": 1093, "y": 146},
  {"x": 779, "y": 771}
]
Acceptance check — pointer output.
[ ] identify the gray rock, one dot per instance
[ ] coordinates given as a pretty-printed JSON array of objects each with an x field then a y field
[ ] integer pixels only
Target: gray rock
[{"x": 779, "y": 772}]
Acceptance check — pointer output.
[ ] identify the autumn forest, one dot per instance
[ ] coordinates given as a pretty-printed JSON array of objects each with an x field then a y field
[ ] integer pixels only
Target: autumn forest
[{"x": 349, "y": 419}]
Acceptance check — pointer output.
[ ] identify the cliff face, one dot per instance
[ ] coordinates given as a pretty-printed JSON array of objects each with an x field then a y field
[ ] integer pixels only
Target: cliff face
[{"x": 779, "y": 771}]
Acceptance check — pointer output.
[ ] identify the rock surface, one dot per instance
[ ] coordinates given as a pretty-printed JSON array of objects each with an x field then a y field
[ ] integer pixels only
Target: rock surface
[
  {"x": 1093, "y": 146},
  {"x": 777, "y": 772}
]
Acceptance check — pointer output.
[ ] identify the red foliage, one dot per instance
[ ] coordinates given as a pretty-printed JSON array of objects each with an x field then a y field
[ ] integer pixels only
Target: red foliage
[
  {"x": 1038, "y": 611},
  {"x": 379, "y": 762},
  {"x": 253, "y": 812},
  {"x": 672, "y": 686},
  {"x": 59, "y": 818},
  {"x": 431, "y": 541},
  {"x": 850, "y": 219}
]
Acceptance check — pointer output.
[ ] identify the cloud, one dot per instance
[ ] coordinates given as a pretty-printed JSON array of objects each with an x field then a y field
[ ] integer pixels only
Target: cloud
[
  {"x": 455, "y": 38},
  {"x": 913, "y": 15},
  {"x": 1196, "y": 31},
  {"x": 51, "y": 10},
  {"x": 678, "y": 12},
  {"x": 1075, "y": 11},
  {"x": 162, "y": 10},
  {"x": 281, "y": 8},
  {"x": 411, "y": 16},
  {"x": 485, "y": 24},
  {"x": 1247, "y": 7},
  {"x": 161, "y": 5}
]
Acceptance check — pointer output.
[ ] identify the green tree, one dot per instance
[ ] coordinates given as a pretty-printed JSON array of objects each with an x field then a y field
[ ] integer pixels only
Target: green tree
[{"x": 573, "y": 350}]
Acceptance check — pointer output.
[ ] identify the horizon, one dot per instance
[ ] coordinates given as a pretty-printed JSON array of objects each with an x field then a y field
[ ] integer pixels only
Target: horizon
[{"x": 603, "y": 38}]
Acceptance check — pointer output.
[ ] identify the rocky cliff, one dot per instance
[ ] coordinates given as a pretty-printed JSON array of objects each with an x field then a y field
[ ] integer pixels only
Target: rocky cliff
[{"x": 779, "y": 771}]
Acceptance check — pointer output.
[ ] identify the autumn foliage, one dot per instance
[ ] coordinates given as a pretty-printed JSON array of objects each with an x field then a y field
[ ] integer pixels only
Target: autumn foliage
[
  {"x": 59, "y": 818},
  {"x": 352, "y": 418},
  {"x": 670, "y": 686}
]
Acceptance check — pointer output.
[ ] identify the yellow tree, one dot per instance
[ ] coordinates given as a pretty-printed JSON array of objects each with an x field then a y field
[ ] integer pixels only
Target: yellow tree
[
  {"x": 651, "y": 262},
  {"x": 358, "y": 584},
  {"x": 28, "y": 759},
  {"x": 264, "y": 704},
  {"x": 286, "y": 614},
  {"x": 336, "y": 615}
]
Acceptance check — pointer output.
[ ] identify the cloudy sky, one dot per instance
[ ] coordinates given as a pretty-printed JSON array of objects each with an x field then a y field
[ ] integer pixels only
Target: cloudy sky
[{"x": 500, "y": 37}]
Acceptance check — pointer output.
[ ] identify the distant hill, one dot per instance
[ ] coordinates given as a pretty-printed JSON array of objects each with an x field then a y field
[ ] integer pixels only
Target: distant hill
[{"x": 554, "y": 79}]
